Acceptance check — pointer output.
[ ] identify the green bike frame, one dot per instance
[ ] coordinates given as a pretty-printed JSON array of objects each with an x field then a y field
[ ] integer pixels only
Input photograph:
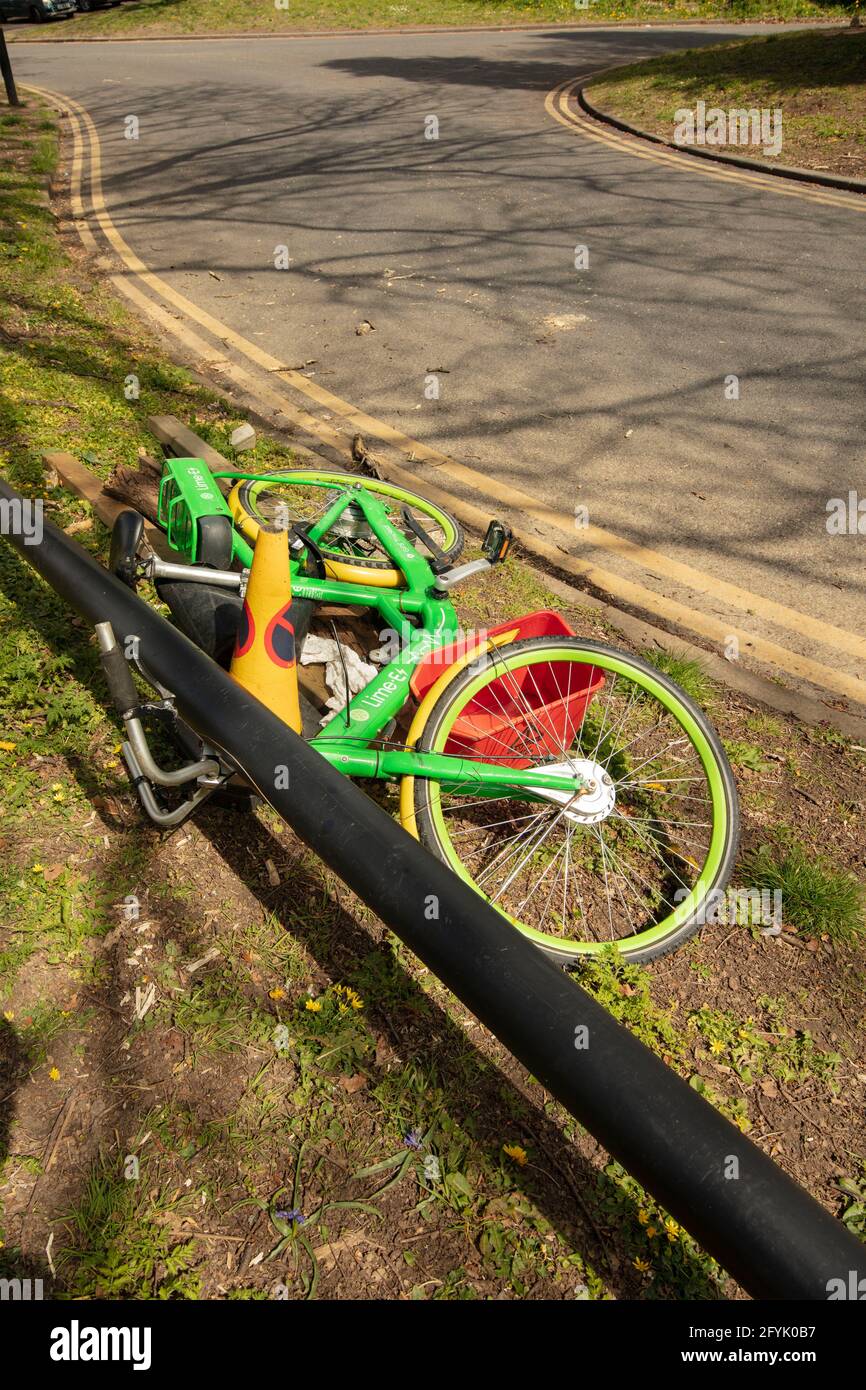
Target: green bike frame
[{"x": 422, "y": 620}]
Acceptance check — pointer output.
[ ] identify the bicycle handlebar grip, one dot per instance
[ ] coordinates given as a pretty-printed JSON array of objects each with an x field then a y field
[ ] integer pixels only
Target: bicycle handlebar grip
[{"x": 118, "y": 676}]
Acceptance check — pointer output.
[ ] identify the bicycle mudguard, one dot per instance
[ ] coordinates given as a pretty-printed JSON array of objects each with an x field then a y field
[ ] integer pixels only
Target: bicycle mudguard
[
  {"x": 210, "y": 616},
  {"x": 508, "y": 633},
  {"x": 194, "y": 514}
]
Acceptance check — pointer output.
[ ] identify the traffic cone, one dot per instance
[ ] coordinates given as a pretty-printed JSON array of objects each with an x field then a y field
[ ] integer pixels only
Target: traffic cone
[{"x": 264, "y": 656}]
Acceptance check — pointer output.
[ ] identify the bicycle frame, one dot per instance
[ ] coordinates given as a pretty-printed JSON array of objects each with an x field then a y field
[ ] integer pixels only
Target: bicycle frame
[{"x": 345, "y": 741}]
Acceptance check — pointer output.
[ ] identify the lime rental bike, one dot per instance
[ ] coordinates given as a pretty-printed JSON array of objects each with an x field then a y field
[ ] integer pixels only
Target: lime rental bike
[{"x": 573, "y": 785}]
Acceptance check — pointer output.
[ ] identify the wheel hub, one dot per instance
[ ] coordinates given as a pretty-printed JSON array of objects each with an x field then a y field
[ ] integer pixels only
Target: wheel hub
[{"x": 594, "y": 803}]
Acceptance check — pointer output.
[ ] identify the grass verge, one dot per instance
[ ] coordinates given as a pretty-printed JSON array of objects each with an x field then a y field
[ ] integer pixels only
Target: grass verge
[
  {"x": 814, "y": 79},
  {"x": 153, "y": 17}
]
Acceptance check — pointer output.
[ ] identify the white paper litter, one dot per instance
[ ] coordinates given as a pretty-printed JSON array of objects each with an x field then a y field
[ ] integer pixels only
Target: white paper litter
[{"x": 326, "y": 651}]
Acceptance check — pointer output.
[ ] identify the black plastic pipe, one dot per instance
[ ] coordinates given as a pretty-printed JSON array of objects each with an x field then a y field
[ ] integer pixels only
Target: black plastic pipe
[{"x": 775, "y": 1240}]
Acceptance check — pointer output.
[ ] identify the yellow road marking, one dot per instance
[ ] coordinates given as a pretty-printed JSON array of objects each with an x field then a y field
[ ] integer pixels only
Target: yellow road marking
[
  {"x": 557, "y": 105},
  {"x": 608, "y": 581}
]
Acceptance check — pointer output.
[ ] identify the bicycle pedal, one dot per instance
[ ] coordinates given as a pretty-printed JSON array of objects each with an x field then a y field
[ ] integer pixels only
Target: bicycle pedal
[{"x": 497, "y": 542}]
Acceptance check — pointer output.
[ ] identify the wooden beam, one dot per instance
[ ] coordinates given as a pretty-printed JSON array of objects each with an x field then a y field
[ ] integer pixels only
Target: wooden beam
[
  {"x": 86, "y": 485},
  {"x": 178, "y": 439}
]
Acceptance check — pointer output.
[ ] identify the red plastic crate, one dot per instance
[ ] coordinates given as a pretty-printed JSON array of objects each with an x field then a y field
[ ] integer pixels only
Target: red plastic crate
[{"x": 496, "y": 726}]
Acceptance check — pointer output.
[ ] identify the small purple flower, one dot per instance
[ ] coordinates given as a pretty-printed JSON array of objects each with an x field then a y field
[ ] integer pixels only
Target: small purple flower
[
  {"x": 413, "y": 1139},
  {"x": 294, "y": 1217}
]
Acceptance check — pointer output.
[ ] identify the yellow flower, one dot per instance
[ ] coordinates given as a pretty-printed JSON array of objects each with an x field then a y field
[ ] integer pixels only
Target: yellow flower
[
  {"x": 54, "y": 1074},
  {"x": 642, "y": 1266},
  {"x": 277, "y": 993},
  {"x": 38, "y": 869},
  {"x": 344, "y": 1009},
  {"x": 643, "y": 1217},
  {"x": 672, "y": 1230},
  {"x": 7, "y": 747},
  {"x": 517, "y": 1153},
  {"x": 8, "y": 1015},
  {"x": 357, "y": 1003},
  {"x": 716, "y": 1047},
  {"x": 57, "y": 786},
  {"x": 112, "y": 762},
  {"x": 651, "y": 1232},
  {"x": 314, "y": 1005}
]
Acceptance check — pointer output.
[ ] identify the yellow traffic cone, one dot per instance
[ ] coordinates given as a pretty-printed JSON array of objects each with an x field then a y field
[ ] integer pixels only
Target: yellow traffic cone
[{"x": 264, "y": 656}]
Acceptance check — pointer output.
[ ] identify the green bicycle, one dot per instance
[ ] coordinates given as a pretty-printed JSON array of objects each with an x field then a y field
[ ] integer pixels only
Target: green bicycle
[{"x": 573, "y": 785}]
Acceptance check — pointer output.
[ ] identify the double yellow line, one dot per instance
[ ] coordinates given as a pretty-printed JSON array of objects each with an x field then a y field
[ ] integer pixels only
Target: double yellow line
[{"x": 136, "y": 275}]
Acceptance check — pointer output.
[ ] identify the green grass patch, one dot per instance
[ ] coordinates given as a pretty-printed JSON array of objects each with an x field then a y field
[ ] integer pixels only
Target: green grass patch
[
  {"x": 754, "y": 1049},
  {"x": 114, "y": 1243},
  {"x": 817, "y": 898},
  {"x": 250, "y": 16},
  {"x": 815, "y": 79},
  {"x": 688, "y": 673}
]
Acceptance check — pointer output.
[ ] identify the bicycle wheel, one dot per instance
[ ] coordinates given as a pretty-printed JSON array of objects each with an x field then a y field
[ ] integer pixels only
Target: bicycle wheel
[
  {"x": 351, "y": 551},
  {"x": 634, "y": 858}
]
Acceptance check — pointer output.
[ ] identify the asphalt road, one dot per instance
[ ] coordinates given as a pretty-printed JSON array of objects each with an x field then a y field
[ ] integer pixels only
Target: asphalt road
[{"x": 602, "y": 387}]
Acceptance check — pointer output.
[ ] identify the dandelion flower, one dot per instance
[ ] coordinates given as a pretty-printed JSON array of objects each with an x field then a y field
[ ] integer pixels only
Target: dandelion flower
[
  {"x": 54, "y": 1074},
  {"x": 517, "y": 1153},
  {"x": 276, "y": 993}
]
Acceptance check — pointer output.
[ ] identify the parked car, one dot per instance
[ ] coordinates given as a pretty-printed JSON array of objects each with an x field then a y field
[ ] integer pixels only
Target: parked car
[{"x": 37, "y": 10}]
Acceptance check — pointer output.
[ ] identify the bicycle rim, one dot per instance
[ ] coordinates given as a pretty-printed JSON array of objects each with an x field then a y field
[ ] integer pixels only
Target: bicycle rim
[
  {"x": 663, "y": 838},
  {"x": 351, "y": 552}
]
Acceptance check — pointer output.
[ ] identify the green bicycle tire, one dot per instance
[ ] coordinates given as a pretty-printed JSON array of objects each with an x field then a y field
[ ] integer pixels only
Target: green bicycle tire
[
  {"x": 452, "y": 533},
  {"x": 661, "y": 936}
]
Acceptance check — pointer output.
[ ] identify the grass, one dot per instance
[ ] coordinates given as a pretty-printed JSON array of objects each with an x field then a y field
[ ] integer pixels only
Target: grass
[
  {"x": 116, "y": 1245},
  {"x": 686, "y": 671},
  {"x": 815, "y": 79},
  {"x": 817, "y": 898},
  {"x": 250, "y": 16}
]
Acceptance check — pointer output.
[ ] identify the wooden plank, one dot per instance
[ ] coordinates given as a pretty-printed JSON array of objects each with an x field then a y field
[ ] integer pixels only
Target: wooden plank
[
  {"x": 182, "y": 442},
  {"x": 76, "y": 478}
]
